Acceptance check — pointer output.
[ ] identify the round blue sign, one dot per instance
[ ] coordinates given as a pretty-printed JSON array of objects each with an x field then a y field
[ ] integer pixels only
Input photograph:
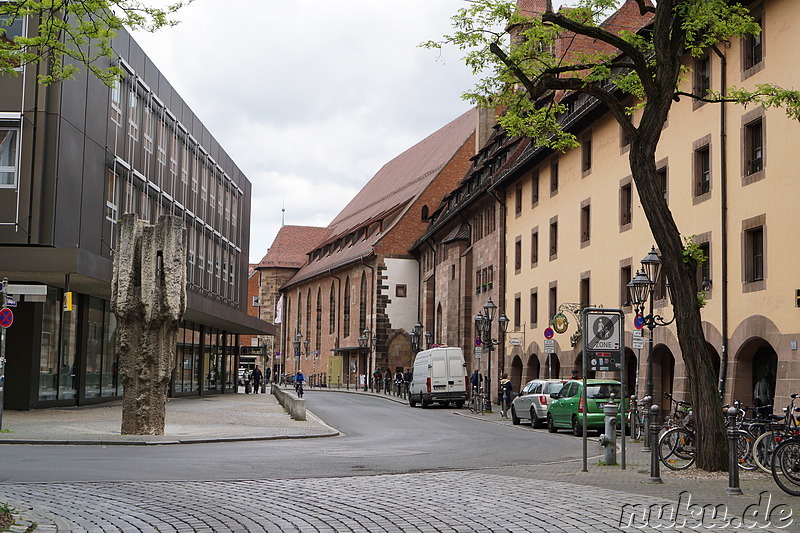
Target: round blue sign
[
  {"x": 548, "y": 333},
  {"x": 638, "y": 322},
  {"x": 6, "y": 317}
]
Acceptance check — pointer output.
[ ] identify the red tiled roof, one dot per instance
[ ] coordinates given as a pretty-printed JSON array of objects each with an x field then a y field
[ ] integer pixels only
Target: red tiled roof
[{"x": 291, "y": 246}]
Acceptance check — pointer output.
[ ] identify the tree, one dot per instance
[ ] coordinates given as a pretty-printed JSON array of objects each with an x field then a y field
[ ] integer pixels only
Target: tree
[
  {"x": 638, "y": 67},
  {"x": 72, "y": 33}
]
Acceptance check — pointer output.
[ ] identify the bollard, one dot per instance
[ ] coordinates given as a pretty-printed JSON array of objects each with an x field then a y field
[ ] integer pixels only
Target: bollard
[
  {"x": 634, "y": 422},
  {"x": 733, "y": 456},
  {"x": 655, "y": 474},
  {"x": 609, "y": 439},
  {"x": 646, "y": 404}
]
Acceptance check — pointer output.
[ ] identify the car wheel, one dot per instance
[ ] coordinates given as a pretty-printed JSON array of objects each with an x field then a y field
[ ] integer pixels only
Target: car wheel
[
  {"x": 411, "y": 401},
  {"x": 425, "y": 403},
  {"x": 577, "y": 427},
  {"x": 460, "y": 404},
  {"x": 514, "y": 418},
  {"x": 551, "y": 426},
  {"x": 536, "y": 422}
]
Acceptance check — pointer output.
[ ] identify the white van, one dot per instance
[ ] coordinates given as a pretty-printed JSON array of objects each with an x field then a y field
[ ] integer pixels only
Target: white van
[{"x": 440, "y": 375}]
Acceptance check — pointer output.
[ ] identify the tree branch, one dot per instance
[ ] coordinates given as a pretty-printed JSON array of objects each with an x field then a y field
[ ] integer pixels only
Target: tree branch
[
  {"x": 693, "y": 96},
  {"x": 644, "y": 8},
  {"x": 513, "y": 67}
]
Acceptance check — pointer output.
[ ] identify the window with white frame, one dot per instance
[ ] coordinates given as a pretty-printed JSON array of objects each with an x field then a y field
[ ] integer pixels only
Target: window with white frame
[
  {"x": 116, "y": 110},
  {"x": 111, "y": 195},
  {"x": 9, "y": 160},
  {"x": 14, "y": 27},
  {"x": 148, "y": 129}
]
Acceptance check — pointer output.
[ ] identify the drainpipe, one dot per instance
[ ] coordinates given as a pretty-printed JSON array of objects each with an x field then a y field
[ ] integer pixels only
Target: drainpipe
[
  {"x": 723, "y": 367},
  {"x": 501, "y": 276}
]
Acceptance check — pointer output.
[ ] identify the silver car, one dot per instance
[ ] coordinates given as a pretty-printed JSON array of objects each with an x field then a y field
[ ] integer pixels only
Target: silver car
[{"x": 531, "y": 403}]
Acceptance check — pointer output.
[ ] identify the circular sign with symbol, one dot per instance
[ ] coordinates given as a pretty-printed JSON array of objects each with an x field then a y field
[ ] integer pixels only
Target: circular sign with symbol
[
  {"x": 603, "y": 328},
  {"x": 478, "y": 341},
  {"x": 6, "y": 317},
  {"x": 638, "y": 322},
  {"x": 548, "y": 333},
  {"x": 560, "y": 323}
]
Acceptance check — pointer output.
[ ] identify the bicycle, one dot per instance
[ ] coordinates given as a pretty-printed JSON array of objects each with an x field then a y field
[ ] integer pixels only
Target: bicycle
[{"x": 298, "y": 388}]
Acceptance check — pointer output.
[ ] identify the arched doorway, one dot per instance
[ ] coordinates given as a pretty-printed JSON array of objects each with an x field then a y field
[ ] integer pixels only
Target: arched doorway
[
  {"x": 399, "y": 356},
  {"x": 663, "y": 376},
  {"x": 552, "y": 369},
  {"x": 532, "y": 370},
  {"x": 756, "y": 359},
  {"x": 516, "y": 373}
]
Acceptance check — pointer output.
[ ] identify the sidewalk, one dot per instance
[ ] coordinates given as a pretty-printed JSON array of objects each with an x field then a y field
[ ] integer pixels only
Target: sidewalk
[{"x": 188, "y": 420}]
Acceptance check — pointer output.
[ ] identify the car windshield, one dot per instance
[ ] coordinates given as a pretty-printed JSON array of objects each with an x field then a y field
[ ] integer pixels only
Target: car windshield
[
  {"x": 550, "y": 388},
  {"x": 602, "y": 391}
]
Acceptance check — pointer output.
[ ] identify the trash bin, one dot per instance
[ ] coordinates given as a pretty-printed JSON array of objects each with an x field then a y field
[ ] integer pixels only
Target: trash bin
[{"x": 247, "y": 387}]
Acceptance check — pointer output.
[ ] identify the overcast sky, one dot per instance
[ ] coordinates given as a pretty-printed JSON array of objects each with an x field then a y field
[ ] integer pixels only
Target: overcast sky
[{"x": 311, "y": 97}]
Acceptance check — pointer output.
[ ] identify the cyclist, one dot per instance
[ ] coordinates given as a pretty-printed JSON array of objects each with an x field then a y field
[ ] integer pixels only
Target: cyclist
[{"x": 299, "y": 379}]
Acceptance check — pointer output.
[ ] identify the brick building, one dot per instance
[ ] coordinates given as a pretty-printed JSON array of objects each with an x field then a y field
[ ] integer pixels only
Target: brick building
[{"x": 361, "y": 277}]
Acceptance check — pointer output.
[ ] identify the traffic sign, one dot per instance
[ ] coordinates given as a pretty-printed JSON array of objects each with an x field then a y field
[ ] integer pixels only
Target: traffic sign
[
  {"x": 548, "y": 333},
  {"x": 600, "y": 361},
  {"x": 604, "y": 331},
  {"x": 549, "y": 346},
  {"x": 478, "y": 341},
  {"x": 638, "y": 322},
  {"x": 6, "y": 317},
  {"x": 478, "y": 352}
]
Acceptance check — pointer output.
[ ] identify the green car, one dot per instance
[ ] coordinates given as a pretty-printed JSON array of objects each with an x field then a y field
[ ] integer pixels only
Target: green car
[{"x": 566, "y": 409}]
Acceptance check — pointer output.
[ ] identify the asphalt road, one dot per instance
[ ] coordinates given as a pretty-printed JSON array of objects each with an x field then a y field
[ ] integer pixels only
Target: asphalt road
[{"x": 380, "y": 437}]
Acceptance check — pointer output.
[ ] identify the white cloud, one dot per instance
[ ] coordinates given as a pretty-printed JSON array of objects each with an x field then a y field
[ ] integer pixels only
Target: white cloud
[{"x": 310, "y": 98}]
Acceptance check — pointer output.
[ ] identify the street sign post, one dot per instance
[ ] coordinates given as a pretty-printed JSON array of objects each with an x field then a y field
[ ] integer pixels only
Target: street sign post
[{"x": 549, "y": 346}]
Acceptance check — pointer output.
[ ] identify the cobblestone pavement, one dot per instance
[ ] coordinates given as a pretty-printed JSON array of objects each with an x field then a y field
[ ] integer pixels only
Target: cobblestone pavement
[{"x": 423, "y": 502}]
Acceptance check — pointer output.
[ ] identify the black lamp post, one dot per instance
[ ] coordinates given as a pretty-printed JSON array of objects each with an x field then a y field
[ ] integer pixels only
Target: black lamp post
[
  {"x": 642, "y": 287},
  {"x": 416, "y": 337},
  {"x": 483, "y": 325},
  {"x": 365, "y": 343},
  {"x": 298, "y": 343},
  {"x": 428, "y": 339}
]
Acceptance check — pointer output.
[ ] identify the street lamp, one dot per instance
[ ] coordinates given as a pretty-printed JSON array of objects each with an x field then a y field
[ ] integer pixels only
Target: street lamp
[
  {"x": 298, "y": 343},
  {"x": 365, "y": 343},
  {"x": 483, "y": 325},
  {"x": 428, "y": 339},
  {"x": 642, "y": 287},
  {"x": 416, "y": 337}
]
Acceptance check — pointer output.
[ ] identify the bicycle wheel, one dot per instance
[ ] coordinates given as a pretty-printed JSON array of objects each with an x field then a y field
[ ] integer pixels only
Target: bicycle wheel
[
  {"x": 763, "y": 448},
  {"x": 676, "y": 448},
  {"x": 744, "y": 454},
  {"x": 786, "y": 466}
]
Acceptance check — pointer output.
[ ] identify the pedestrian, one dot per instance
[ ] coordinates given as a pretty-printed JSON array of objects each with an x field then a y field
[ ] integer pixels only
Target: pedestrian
[
  {"x": 763, "y": 394},
  {"x": 407, "y": 377},
  {"x": 398, "y": 382},
  {"x": 475, "y": 380},
  {"x": 575, "y": 374},
  {"x": 267, "y": 374},
  {"x": 246, "y": 379},
  {"x": 505, "y": 394},
  {"x": 257, "y": 376},
  {"x": 377, "y": 379},
  {"x": 299, "y": 380}
]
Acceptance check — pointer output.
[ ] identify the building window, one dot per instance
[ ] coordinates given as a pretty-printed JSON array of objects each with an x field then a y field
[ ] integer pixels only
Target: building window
[
  {"x": 9, "y": 148},
  {"x": 553, "y": 239},
  {"x": 624, "y": 278},
  {"x": 517, "y": 312},
  {"x": 518, "y": 200},
  {"x": 625, "y": 204},
  {"x": 704, "y": 270},
  {"x": 133, "y": 116},
  {"x": 115, "y": 111},
  {"x": 518, "y": 255},
  {"x": 585, "y": 223},
  {"x": 401, "y": 290},
  {"x": 754, "y": 147},
  {"x": 534, "y": 247},
  {"x": 552, "y": 303},
  {"x": 255, "y": 301},
  {"x": 112, "y": 183},
  {"x": 584, "y": 292},
  {"x": 753, "y": 46},
  {"x": 534, "y": 308},
  {"x": 332, "y": 311},
  {"x": 535, "y": 188},
  {"x": 661, "y": 176},
  {"x": 702, "y": 170},
  {"x": 702, "y": 78},
  {"x": 553, "y": 176},
  {"x": 586, "y": 154},
  {"x": 148, "y": 130},
  {"x": 754, "y": 254}
]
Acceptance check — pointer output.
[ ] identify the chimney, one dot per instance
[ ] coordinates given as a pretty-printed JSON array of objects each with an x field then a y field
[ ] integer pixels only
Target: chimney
[
  {"x": 532, "y": 8},
  {"x": 484, "y": 126}
]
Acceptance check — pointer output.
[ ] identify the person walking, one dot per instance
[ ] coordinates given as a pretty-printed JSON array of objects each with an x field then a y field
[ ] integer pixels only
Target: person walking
[
  {"x": 505, "y": 395},
  {"x": 377, "y": 380},
  {"x": 267, "y": 374},
  {"x": 256, "y": 376},
  {"x": 763, "y": 395}
]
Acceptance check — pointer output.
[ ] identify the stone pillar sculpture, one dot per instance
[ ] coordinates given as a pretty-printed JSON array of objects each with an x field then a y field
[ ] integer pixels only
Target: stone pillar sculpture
[{"x": 148, "y": 298}]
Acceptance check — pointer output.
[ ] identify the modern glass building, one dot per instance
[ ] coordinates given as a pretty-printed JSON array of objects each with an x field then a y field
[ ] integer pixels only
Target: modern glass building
[{"x": 74, "y": 157}]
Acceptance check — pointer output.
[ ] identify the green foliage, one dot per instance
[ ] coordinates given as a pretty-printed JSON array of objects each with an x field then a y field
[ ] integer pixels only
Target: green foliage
[
  {"x": 65, "y": 35},
  {"x": 692, "y": 252}
]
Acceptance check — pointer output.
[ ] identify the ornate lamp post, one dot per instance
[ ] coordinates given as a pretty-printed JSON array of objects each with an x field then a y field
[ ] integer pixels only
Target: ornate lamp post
[
  {"x": 483, "y": 325},
  {"x": 365, "y": 343},
  {"x": 298, "y": 343},
  {"x": 428, "y": 339},
  {"x": 416, "y": 337},
  {"x": 642, "y": 287}
]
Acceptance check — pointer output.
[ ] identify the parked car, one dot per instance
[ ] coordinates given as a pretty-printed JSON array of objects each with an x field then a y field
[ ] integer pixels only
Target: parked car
[
  {"x": 566, "y": 409},
  {"x": 440, "y": 375},
  {"x": 531, "y": 403}
]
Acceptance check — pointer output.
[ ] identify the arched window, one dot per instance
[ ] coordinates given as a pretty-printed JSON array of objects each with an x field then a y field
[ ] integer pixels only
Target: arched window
[
  {"x": 318, "y": 331},
  {"x": 346, "y": 310},
  {"x": 362, "y": 304},
  {"x": 308, "y": 315},
  {"x": 424, "y": 213},
  {"x": 332, "y": 310}
]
